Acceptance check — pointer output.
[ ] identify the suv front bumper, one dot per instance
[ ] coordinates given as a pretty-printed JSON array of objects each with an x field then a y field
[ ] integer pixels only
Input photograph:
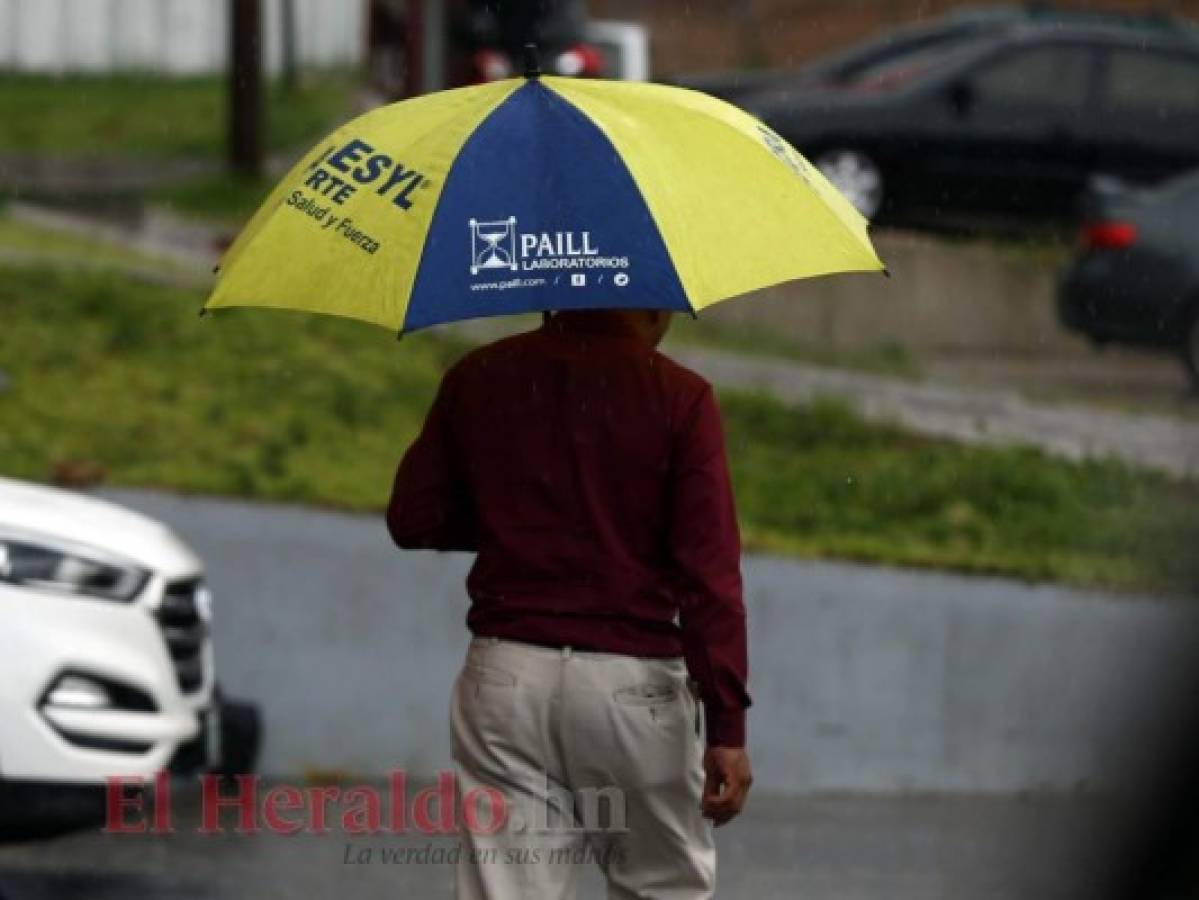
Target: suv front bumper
[{"x": 58, "y": 653}]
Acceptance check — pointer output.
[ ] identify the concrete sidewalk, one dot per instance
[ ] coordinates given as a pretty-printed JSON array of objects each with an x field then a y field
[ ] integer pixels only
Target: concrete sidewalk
[
  {"x": 95, "y": 175},
  {"x": 968, "y": 415},
  {"x": 191, "y": 247}
]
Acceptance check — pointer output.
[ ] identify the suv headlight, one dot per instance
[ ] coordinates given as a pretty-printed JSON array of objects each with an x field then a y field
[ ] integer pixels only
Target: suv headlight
[{"x": 70, "y": 572}]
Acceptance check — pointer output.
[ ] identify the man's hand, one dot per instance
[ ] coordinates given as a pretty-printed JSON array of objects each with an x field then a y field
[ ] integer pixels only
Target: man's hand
[{"x": 727, "y": 783}]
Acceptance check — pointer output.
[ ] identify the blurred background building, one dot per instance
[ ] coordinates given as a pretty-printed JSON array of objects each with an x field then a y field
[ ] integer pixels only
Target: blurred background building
[
  {"x": 184, "y": 37},
  {"x": 188, "y": 36}
]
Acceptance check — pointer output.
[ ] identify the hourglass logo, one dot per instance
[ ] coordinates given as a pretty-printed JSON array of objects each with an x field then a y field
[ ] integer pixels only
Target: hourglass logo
[{"x": 493, "y": 245}]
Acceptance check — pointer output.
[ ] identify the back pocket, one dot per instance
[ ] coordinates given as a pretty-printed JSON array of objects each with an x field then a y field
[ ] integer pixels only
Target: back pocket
[
  {"x": 649, "y": 693},
  {"x": 478, "y": 674}
]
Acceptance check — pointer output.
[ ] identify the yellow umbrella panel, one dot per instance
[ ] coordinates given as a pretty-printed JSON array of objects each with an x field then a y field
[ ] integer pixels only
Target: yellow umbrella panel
[{"x": 535, "y": 194}]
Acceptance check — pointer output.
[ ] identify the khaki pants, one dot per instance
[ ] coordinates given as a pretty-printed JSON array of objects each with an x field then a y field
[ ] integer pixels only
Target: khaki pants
[{"x": 599, "y": 761}]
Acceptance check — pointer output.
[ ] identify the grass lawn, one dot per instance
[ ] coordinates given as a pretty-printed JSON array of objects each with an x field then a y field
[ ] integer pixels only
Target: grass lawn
[
  {"x": 147, "y": 116},
  {"x": 822, "y": 482},
  {"x": 122, "y": 374},
  {"x": 125, "y": 374}
]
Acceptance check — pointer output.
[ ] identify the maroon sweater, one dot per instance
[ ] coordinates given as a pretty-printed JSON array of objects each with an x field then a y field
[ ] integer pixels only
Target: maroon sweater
[{"x": 589, "y": 473}]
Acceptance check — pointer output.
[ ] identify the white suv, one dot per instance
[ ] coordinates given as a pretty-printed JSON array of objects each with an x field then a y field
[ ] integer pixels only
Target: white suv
[{"x": 105, "y": 657}]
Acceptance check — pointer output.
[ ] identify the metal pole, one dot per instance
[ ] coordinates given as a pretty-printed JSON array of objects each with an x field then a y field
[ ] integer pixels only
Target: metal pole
[
  {"x": 288, "y": 44},
  {"x": 245, "y": 86},
  {"x": 414, "y": 39},
  {"x": 433, "y": 75}
]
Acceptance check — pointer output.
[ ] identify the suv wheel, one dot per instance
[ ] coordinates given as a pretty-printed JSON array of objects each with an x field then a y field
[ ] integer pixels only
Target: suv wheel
[
  {"x": 856, "y": 176},
  {"x": 30, "y": 811}
]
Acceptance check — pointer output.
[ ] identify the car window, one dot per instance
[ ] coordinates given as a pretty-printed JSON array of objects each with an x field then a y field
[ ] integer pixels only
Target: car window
[
  {"x": 1042, "y": 76},
  {"x": 1140, "y": 81},
  {"x": 868, "y": 65},
  {"x": 903, "y": 67}
]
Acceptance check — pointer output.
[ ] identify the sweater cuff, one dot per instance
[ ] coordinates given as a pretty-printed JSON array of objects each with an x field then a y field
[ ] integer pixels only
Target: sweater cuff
[{"x": 724, "y": 727}]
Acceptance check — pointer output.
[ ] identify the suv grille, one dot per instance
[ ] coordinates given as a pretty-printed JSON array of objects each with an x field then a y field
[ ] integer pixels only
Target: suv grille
[{"x": 184, "y": 632}]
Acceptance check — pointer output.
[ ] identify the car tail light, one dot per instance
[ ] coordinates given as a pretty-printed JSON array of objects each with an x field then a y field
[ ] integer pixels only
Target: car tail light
[
  {"x": 580, "y": 61},
  {"x": 492, "y": 65},
  {"x": 1109, "y": 235}
]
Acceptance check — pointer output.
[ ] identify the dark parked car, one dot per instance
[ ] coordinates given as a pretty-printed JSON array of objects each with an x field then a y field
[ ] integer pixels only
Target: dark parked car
[
  {"x": 837, "y": 68},
  {"x": 941, "y": 33},
  {"x": 1136, "y": 280},
  {"x": 1013, "y": 124}
]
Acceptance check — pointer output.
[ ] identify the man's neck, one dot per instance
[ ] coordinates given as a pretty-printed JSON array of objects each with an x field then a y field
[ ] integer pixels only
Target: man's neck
[{"x": 596, "y": 321}]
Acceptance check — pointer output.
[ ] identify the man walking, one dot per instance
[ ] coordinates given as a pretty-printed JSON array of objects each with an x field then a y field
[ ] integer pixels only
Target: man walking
[{"x": 588, "y": 471}]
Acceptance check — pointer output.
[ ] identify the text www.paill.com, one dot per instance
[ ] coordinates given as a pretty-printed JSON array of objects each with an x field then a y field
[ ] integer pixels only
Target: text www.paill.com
[{"x": 507, "y": 285}]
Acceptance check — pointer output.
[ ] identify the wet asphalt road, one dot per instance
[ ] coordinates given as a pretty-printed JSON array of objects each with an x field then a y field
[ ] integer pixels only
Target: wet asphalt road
[{"x": 814, "y": 848}]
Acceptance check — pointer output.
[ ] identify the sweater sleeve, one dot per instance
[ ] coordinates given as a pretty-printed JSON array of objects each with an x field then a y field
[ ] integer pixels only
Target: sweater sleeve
[
  {"x": 706, "y": 550},
  {"x": 430, "y": 507}
]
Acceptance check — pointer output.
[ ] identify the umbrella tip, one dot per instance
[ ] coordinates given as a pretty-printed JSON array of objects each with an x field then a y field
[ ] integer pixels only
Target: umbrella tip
[
  {"x": 887, "y": 272},
  {"x": 203, "y": 311},
  {"x": 532, "y": 62}
]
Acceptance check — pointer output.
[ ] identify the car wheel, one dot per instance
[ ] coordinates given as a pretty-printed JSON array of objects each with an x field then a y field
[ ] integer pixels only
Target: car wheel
[
  {"x": 241, "y": 738},
  {"x": 32, "y": 812},
  {"x": 1190, "y": 347},
  {"x": 856, "y": 176}
]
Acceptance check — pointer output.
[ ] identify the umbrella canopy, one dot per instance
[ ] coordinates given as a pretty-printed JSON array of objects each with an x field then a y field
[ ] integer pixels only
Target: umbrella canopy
[{"x": 540, "y": 194}]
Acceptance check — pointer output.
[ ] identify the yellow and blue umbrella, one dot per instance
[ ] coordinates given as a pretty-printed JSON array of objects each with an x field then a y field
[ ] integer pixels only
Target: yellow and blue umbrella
[{"x": 540, "y": 194}]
